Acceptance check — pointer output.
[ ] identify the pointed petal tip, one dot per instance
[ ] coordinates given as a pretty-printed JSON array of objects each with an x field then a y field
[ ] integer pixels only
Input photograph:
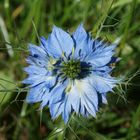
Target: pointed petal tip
[
  {"x": 30, "y": 100},
  {"x": 81, "y": 28},
  {"x": 24, "y": 81},
  {"x": 25, "y": 69},
  {"x": 40, "y": 108},
  {"x": 66, "y": 120},
  {"x": 42, "y": 38},
  {"x": 30, "y": 45},
  {"x": 55, "y": 28},
  {"x": 118, "y": 59},
  {"x": 81, "y": 25},
  {"x": 42, "y": 105}
]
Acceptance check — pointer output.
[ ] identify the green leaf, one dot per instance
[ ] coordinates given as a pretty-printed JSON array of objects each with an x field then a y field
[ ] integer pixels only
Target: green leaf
[
  {"x": 6, "y": 84},
  {"x": 135, "y": 120},
  {"x": 122, "y": 3}
]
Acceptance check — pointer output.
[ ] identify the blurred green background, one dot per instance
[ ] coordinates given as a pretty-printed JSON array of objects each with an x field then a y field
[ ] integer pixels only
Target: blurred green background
[{"x": 22, "y": 21}]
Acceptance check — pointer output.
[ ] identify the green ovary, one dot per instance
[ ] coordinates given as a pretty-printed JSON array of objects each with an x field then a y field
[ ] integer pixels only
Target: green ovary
[{"x": 71, "y": 69}]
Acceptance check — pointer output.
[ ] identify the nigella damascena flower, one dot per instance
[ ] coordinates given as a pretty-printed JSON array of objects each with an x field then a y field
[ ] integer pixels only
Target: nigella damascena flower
[{"x": 70, "y": 73}]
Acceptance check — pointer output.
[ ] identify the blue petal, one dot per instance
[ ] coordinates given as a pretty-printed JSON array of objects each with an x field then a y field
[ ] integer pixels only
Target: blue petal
[
  {"x": 52, "y": 46},
  {"x": 102, "y": 70},
  {"x": 58, "y": 42},
  {"x": 88, "y": 91},
  {"x": 37, "y": 61},
  {"x": 82, "y": 109},
  {"x": 89, "y": 98},
  {"x": 75, "y": 102},
  {"x": 64, "y": 40},
  {"x": 56, "y": 109},
  {"x": 45, "y": 99},
  {"x": 101, "y": 56},
  {"x": 34, "y": 80},
  {"x": 35, "y": 93},
  {"x": 88, "y": 106},
  {"x": 79, "y": 36},
  {"x": 38, "y": 56},
  {"x": 37, "y": 51},
  {"x": 57, "y": 98},
  {"x": 57, "y": 93},
  {"x": 49, "y": 83},
  {"x": 35, "y": 70},
  {"x": 74, "y": 98},
  {"x": 104, "y": 100},
  {"x": 103, "y": 84},
  {"x": 83, "y": 43},
  {"x": 67, "y": 109},
  {"x": 115, "y": 59},
  {"x": 82, "y": 97}
]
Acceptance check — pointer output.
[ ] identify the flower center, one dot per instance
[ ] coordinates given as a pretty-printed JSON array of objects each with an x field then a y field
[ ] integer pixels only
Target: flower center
[
  {"x": 75, "y": 69},
  {"x": 71, "y": 69}
]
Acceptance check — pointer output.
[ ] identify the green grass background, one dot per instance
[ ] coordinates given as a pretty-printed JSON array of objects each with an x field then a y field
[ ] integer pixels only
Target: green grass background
[{"x": 22, "y": 21}]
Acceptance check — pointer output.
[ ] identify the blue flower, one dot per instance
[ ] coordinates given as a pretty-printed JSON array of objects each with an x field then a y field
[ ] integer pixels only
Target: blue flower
[{"x": 70, "y": 73}]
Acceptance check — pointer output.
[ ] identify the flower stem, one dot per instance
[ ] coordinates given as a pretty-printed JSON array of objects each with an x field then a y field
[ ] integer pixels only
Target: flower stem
[{"x": 19, "y": 121}]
